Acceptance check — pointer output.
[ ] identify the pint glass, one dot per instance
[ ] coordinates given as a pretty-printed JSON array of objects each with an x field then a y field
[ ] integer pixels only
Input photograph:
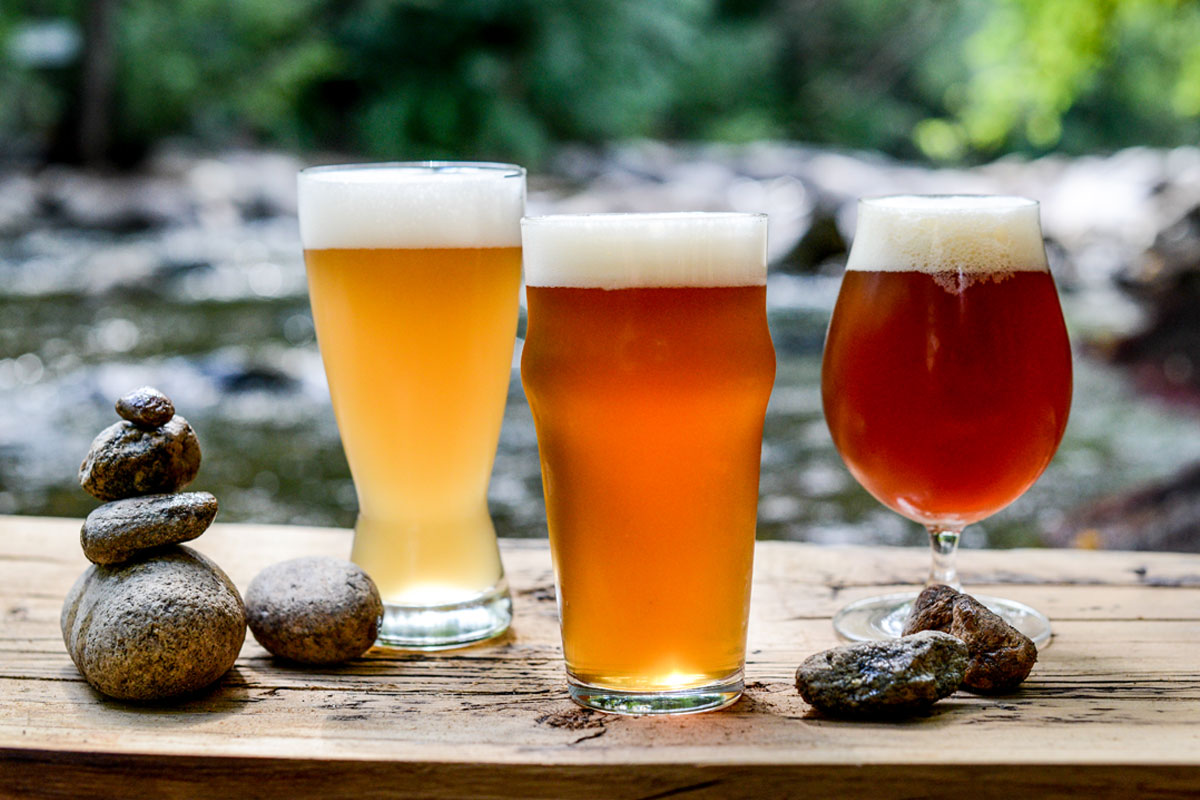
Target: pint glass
[
  {"x": 414, "y": 272},
  {"x": 648, "y": 365}
]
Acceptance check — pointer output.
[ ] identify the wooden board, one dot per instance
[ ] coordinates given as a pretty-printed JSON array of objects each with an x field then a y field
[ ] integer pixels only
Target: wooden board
[{"x": 1112, "y": 708}]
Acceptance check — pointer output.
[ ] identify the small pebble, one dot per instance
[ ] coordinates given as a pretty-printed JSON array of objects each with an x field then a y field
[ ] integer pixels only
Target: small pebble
[
  {"x": 314, "y": 610},
  {"x": 1001, "y": 657},
  {"x": 147, "y": 407},
  {"x": 127, "y": 461},
  {"x": 163, "y": 625},
  {"x": 889, "y": 678},
  {"x": 118, "y": 530}
]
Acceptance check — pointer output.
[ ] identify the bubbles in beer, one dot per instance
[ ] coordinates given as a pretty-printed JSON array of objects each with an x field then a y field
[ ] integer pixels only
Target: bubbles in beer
[
  {"x": 958, "y": 239},
  {"x": 622, "y": 251},
  {"x": 376, "y": 206}
]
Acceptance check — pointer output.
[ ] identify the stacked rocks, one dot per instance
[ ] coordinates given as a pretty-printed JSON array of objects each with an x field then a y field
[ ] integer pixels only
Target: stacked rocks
[{"x": 150, "y": 619}]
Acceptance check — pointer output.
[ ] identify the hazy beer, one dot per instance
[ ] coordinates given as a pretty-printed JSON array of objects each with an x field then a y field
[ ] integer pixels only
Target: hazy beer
[
  {"x": 414, "y": 273},
  {"x": 648, "y": 365},
  {"x": 946, "y": 377}
]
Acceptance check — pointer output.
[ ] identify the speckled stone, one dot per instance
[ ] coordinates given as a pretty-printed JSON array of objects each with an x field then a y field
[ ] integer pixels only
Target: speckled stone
[
  {"x": 1001, "y": 657},
  {"x": 890, "y": 678},
  {"x": 163, "y": 625},
  {"x": 116, "y": 531},
  {"x": 315, "y": 610},
  {"x": 127, "y": 461},
  {"x": 147, "y": 407}
]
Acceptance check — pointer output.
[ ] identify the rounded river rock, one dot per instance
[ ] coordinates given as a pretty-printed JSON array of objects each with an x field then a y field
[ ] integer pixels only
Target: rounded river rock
[
  {"x": 147, "y": 407},
  {"x": 118, "y": 530},
  {"x": 314, "y": 610},
  {"x": 1001, "y": 656},
  {"x": 890, "y": 678},
  {"x": 127, "y": 461},
  {"x": 164, "y": 625}
]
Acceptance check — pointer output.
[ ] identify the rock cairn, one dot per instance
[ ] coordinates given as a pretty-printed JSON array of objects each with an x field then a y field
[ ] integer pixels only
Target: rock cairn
[{"x": 150, "y": 619}]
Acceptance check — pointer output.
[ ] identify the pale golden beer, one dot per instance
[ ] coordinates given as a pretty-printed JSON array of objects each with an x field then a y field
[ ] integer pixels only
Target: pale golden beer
[
  {"x": 648, "y": 365},
  {"x": 414, "y": 273}
]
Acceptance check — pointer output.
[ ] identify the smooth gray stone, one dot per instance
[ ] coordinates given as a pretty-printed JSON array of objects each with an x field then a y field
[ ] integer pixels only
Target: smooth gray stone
[
  {"x": 167, "y": 624},
  {"x": 127, "y": 461},
  {"x": 118, "y": 530},
  {"x": 895, "y": 677},
  {"x": 315, "y": 610}
]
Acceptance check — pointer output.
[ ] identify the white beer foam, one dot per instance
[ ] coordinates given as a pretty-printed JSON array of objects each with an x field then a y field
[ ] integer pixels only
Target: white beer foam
[
  {"x": 410, "y": 206},
  {"x": 623, "y": 251},
  {"x": 951, "y": 233}
]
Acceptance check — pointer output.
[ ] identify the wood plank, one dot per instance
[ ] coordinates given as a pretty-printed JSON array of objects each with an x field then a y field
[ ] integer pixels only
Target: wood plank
[{"x": 1113, "y": 705}]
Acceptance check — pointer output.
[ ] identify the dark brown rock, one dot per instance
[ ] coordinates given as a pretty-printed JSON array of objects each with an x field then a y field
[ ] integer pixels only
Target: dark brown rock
[
  {"x": 147, "y": 407},
  {"x": 118, "y": 530},
  {"x": 891, "y": 678},
  {"x": 933, "y": 610},
  {"x": 163, "y": 625},
  {"x": 314, "y": 610},
  {"x": 127, "y": 461},
  {"x": 1000, "y": 655}
]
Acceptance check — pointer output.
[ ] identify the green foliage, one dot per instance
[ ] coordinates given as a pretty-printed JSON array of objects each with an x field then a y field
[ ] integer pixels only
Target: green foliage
[
  {"x": 509, "y": 79},
  {"x": 1078, "y": 74}
]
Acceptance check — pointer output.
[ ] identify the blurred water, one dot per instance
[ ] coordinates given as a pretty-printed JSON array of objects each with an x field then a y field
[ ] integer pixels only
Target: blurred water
[{"x": 221, "y": 323}]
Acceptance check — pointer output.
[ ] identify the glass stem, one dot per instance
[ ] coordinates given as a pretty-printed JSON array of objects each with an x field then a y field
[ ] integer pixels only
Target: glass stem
[{"x": 944, "y": 543}]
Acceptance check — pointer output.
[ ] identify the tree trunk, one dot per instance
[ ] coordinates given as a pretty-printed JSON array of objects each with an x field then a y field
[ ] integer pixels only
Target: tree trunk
[{"x": 96, "y": 89}]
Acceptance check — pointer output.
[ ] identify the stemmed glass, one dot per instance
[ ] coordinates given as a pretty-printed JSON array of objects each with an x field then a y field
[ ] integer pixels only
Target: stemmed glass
[{"x": 946, "y": 378}]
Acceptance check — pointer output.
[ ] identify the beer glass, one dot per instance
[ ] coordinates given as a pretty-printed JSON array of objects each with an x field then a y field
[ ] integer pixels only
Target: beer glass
[
  {"x": 946, "y": 377},
  {"x": 414, "y": 274},
  {"x": 648, "y": 365}
]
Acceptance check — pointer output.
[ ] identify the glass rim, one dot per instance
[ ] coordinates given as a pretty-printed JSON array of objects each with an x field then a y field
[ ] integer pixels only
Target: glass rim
[
  {"x": 974, "y": 201},
  {"x": 640, "y": 217},
  {"x": 431, "y": 167}
]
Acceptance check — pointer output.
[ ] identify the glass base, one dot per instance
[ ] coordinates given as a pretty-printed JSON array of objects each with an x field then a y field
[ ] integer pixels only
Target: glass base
[
  {"x": 450, "y": 625},
  {"x": 675, "y": 701},
  {"x": 884, "y": 617}
]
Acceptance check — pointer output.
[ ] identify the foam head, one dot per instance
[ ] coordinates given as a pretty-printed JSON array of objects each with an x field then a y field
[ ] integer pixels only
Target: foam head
[
  {"x": 948, "y": 233},
  {"x": 423, "y": 205},
  {"x": 624, "y": 251}
]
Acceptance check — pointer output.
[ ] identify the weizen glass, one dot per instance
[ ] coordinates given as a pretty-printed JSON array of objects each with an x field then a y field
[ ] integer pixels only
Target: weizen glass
[
  {"x": 414, "y": 275},
  {"x": 648, "y": 365},
  {"x": 947, "y": 375}
]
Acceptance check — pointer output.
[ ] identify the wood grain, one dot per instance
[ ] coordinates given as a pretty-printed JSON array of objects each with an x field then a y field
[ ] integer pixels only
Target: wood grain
[{"x": 1112, "y": 708}]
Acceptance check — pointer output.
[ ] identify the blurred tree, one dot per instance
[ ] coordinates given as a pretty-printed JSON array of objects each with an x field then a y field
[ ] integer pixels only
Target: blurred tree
[
  {"x": 1081, "y": 74},
  {"x": 509, "y": 79}
]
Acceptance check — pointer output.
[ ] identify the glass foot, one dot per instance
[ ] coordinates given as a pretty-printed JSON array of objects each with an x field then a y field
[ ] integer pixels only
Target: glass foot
[
  {"x": 440, "y": 627},
  {"x": 676, "y": 701},
  {"x": 884, "y": 617}
]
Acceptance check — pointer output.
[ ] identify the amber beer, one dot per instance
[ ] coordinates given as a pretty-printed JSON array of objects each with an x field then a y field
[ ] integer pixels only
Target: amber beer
[
  {"x": 648, "y": 365},
  {"x": 947, "y": 376},
  {"x": 414, "y": 273},
  {"x": 952, "y": 398}
]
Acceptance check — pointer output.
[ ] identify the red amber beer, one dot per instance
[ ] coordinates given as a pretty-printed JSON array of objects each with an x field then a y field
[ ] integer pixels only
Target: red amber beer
[
  {"x": 414, "y": 273},
  {"x": 648, "y": 365},
  {"x": 947, "y": 371}
]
